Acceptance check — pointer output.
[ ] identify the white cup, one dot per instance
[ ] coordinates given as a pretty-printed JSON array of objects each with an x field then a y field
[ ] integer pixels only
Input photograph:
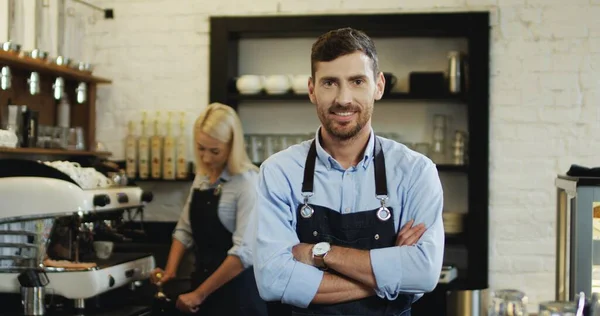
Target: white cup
[{"x": 103, "y": 249}]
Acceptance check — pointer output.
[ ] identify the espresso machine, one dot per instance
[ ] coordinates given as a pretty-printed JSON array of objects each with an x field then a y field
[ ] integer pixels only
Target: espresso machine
[
  {"x": 50, "y": 224},
  {"x": 578, "y": 233}
]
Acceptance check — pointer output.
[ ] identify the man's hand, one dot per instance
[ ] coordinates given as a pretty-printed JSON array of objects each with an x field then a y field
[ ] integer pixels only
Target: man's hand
[
  {"x": 409, "y": 235},
  {"x": 303, "y": 252}
]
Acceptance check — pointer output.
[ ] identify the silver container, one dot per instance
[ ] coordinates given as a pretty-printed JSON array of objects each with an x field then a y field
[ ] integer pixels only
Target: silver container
[
  {"x": 63, "y": 61},
  {"x": 37, "y": 54},
  {"x": 11, "y": 47},
  {"x": 83, "y": 66},
  {"x": 33, "y": 300},
  {"x": 81, "y": 92},
  {"x": 5, "y": 78},
  {"x": 34, "y": 83},
  {"x": 467, "y": 303},
  {"x": 59, "y": 88},
  {"x": 455, "y": 74}
]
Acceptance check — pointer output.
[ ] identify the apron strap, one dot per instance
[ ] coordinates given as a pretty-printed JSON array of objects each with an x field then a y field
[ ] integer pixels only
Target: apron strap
[{"x": 379, "y": 168}]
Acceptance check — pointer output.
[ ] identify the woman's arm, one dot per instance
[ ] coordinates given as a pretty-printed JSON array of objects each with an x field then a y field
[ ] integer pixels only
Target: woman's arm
[{"x": 175, "y": 254}]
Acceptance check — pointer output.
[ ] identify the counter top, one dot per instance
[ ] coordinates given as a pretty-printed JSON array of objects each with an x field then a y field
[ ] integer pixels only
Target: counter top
[
  {"x": 118, "y": 302},
  {"x": 120, "y": 311}
]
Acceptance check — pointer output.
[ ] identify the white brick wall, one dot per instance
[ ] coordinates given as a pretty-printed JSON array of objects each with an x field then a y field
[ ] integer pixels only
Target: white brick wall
[{"x": 544, "y": 98}]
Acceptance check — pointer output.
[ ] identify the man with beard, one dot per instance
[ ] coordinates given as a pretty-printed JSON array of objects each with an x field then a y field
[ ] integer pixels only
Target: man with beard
[{"x": 334, "y": 220}]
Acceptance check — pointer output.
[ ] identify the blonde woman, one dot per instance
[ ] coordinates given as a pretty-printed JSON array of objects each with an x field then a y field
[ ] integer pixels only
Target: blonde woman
[{"x": 214, "y": 220}]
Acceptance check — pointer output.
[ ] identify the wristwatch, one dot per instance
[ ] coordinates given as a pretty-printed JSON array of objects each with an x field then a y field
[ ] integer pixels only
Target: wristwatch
[{"x": 319, "y": 252}]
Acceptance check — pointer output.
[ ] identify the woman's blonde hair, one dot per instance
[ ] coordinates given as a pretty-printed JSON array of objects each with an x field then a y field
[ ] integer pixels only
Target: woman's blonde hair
[{"x": 221, "y": 122}]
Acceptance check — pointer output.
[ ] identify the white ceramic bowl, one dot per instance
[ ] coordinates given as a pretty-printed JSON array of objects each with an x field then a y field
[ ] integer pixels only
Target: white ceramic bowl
[
  {"x": 249, "y": 84},
  {"x": 277, "y": 84},
  {"x": 300, "y": 84}
]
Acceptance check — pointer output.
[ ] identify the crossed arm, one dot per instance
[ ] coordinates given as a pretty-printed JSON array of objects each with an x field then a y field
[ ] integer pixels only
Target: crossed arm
[{"x": 355, "y": 278}]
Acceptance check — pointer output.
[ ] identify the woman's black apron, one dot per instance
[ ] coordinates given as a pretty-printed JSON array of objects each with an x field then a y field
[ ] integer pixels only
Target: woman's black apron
[{"x": 240, "y": 295}]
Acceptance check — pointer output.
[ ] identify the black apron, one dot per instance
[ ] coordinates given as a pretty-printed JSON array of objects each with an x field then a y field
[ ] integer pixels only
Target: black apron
[
  {"x": 240, "y": 295},
  {"x": 365, "y": 230}
]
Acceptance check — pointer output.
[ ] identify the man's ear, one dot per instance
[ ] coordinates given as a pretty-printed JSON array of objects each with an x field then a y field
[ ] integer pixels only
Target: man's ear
[
  {"x": 379, "y": 86},
  {"x": 311, "y": 90}
]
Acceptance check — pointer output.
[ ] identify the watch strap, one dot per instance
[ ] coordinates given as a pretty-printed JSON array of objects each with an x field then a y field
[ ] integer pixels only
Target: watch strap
[{"x": 320, "y": 262}]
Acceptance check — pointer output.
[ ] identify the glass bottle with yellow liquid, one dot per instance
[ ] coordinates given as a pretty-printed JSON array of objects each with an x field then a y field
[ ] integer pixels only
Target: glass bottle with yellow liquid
[
  {"x": 169, "y": 156},
  {"x": 181, "y": 144},
  {"x": 144, "y": 150},
  {"x": 156, "y": 144}
]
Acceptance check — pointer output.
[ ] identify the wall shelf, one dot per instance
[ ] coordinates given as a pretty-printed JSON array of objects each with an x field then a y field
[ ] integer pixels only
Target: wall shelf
[
  {"x": 189, "y": 179},
  {"x": 52, "y": 152},
  {"x": 46, "y": 67},
  {"x": 304, "y": 97},
  {"x": 453, "y": 168},
  {"x": 455, "y": 239}
]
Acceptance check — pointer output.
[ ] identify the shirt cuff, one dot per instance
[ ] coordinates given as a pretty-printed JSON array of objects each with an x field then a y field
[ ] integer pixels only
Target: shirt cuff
[
  {"x": 183, "y": 237},
  {"x": 244, "y": 255},
  {"x": 387, "y": 270},
  {"x": 303, "y": 285}
]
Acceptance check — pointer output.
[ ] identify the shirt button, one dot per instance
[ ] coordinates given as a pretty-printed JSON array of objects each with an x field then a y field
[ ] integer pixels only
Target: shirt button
[{"x": 347, "y": 210}]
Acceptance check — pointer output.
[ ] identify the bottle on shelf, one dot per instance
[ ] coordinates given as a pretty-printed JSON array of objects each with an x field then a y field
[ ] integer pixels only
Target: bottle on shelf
[
  {"x": 143, "y": 150},
  {"x": 169, "y": 151},
  {"x": 182, "y": 165},
  {"x": 131, "y": 151},
  {"x": 156, "y": 144}
]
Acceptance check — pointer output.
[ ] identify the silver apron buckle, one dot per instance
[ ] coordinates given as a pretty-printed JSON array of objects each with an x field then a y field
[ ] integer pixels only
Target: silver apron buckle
[
  {"x": 383, "y": 213},
  {"x": 306, "y": 211}
]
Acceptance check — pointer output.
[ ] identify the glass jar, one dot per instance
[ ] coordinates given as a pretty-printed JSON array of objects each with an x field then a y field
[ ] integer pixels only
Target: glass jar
[
  {"x": 556, "y": 308},
  {"x": 508, "y": 302}
]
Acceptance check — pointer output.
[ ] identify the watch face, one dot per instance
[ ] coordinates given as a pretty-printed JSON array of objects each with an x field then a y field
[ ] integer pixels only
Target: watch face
[{"x": 321, "y": 248}]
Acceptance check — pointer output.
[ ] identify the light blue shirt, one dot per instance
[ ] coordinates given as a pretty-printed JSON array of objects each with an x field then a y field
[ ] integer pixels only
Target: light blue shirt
[
  {"x": 238, "y": 199},
  {"x": 414, "y": 189}
]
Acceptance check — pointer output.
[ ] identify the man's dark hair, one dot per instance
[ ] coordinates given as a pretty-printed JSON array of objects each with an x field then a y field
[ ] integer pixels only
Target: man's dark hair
[{"x": 340, "y": 42}]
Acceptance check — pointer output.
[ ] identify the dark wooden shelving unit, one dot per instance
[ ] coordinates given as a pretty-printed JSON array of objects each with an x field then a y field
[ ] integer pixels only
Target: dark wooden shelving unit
[
  {"x": 473, "y": 27},
  {"x": 47, "y": 67},
  {"x": 82, "y": 115}
]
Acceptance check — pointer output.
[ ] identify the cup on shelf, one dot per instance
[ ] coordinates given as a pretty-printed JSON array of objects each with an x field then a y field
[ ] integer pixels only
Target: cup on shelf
[
  {"x": 300, "y": 83},
  {"x": 250, "y": 84},
  {"x": 103, "y": 249},
  {"x": 277, "y": 84}
]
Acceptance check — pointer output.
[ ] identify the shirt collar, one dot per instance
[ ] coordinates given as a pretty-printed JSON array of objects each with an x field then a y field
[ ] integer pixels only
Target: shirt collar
[
  {"x": 224, "y": 177},
  {"x": 329, "y": 162}
]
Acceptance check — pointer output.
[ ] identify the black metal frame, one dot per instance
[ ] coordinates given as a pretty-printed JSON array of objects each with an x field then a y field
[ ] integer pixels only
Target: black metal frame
[{"x": 473, "y": 26}]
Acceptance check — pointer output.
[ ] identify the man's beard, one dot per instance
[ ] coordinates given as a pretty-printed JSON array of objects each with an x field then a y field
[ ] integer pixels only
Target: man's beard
[{"x": 344, "y": 132}]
